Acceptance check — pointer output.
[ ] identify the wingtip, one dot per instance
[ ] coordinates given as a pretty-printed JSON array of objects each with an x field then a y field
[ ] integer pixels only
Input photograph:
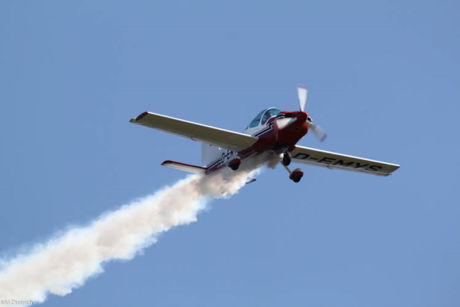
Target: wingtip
[{"x": 139, "y": 117}]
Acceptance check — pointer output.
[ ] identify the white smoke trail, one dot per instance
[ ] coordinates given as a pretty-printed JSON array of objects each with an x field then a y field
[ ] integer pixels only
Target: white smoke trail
[{"x": 66, "y": 261}]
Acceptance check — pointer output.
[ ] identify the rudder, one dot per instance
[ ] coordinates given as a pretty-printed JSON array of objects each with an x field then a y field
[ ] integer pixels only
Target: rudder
[{"x": 210, "y": 153}]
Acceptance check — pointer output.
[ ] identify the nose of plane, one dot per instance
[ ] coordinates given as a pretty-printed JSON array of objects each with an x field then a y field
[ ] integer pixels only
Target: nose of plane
[
  {"x": 301, "y": 116},
  {"x": 297, "y": 118},
  {"x": 292, "y": 127}
]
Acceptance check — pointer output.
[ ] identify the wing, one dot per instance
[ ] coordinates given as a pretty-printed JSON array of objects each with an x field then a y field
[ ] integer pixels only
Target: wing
[
  {"x": 211, "y": 135},
  {"x": 335, "y": 160}
]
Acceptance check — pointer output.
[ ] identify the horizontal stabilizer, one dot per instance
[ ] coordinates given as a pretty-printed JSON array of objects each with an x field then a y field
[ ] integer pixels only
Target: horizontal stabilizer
[{"x": 184, "y": 167}]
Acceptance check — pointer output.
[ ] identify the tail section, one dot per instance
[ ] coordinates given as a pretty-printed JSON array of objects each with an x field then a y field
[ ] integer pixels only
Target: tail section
[
  {"x": 210, "y": 153},
  {"x": 184, "y": 167}
]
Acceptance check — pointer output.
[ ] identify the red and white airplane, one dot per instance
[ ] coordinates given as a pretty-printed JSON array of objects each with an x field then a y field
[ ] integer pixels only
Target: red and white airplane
[{"x": 272, "y": 131}]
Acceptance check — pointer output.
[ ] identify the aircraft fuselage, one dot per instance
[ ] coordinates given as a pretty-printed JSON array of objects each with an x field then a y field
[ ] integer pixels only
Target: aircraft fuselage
[{"x": 278, "y": 134}]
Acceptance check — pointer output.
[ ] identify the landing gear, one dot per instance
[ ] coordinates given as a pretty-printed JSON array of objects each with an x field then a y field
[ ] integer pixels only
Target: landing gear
[
  {"x": 286, "y": 159},
  {"x": 234, "y": 164},
  {"x": 294, "y": 175}
]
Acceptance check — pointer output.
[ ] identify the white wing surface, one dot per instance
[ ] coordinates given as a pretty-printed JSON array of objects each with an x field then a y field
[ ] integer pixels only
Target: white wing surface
[
  {"x": 210, "y": 135},
  {"x": 335, "y": 160}
]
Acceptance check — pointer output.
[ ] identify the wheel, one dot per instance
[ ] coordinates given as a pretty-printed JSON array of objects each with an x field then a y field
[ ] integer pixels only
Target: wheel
[
  {"x": 296, "y": 175},
  {"x": 286, "y": 159},
  {"x": 234, "y": 164}
]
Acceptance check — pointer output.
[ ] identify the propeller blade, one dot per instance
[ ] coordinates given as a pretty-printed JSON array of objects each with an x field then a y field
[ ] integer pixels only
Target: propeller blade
[
  {"x": 302, "y": 93},
  {"x": 320, "y": 133}
]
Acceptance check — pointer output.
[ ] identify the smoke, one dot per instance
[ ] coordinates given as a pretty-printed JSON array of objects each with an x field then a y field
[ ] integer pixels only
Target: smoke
[{"x": 66, "y": 261}]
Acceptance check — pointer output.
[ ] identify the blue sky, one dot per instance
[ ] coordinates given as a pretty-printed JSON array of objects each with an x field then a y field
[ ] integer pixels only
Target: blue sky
[{"x": 384, "y": 83}]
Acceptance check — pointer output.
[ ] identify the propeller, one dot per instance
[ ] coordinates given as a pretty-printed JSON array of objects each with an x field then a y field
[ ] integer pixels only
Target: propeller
[
  {"x": 303, "y": 94},
  {"x": 320, "y": 133}
]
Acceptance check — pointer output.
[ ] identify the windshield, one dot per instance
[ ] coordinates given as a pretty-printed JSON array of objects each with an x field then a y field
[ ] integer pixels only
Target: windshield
[
  {"x": 272, "y": 112},
  {"x": 263, "y": 116},
  {"x": 255, "y": 121}
]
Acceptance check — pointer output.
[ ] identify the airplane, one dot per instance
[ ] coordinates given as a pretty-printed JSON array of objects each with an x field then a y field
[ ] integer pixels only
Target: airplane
[{"x": 271, "y": 131}]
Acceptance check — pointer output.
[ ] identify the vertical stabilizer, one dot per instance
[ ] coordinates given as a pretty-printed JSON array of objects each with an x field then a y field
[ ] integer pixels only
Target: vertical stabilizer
[{"x": 210, "y": 153}]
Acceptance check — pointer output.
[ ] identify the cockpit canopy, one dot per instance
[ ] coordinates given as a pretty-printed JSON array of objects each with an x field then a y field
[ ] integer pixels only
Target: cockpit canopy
[{"x": 263, "y": 117}]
